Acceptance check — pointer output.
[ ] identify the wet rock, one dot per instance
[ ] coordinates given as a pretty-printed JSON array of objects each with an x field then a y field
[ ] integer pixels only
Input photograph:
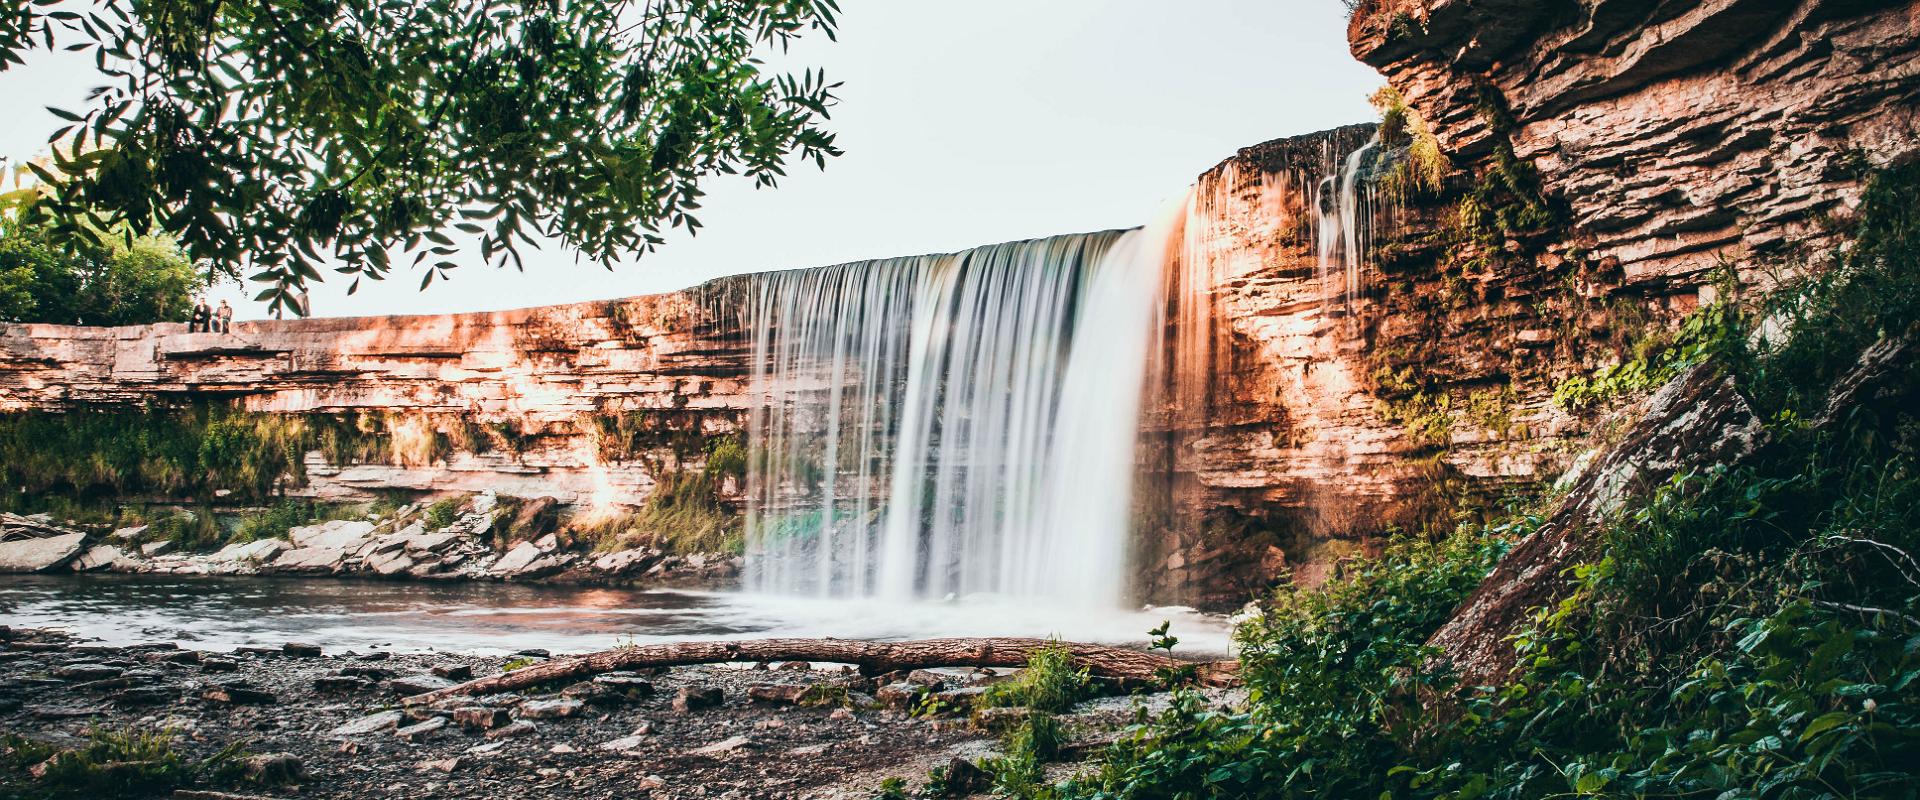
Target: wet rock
[
  {"x": 177, "y": 657},
  {"x": 339, "y": 684},
  {"x": 627, "y": 685},
  {"x": 211, "y": 664},
  {"x": 723, "y": 747},
  {"x": 534, "y": 652},
  {"x": 550, "y": 709},
  {"x": 481, "y": 717},
  {"x": 301, "y": 649},
  {"x": 454, "y": 672},
  {"x": 518, "y": 729},
  {"x": 694, "y": 698},
  {"x": 87, "y": 672},
  {"x": 421, "y": 730},
  {"x": 41, "y": 555},
  {"x": 417, "y": 684},
  {"x": 274, "y": 768},
  {"x": 144, "y": 696},
  {"x": 371, "y": 723},
  {"x": 237, "y": 694}
]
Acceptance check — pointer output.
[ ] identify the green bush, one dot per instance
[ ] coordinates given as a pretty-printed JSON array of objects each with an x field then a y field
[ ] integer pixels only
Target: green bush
[
  {"x": 1050, "y": 683},
  {"x": 442, "y": 512}
]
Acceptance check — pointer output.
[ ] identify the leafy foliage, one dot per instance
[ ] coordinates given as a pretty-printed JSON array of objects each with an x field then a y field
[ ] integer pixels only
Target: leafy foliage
[
  {"x": 108, "y": 284},
  {"x": 292, "y": 136},
  {"x": 132, "y": 762},
  {"x": 1049, "y": 684}
]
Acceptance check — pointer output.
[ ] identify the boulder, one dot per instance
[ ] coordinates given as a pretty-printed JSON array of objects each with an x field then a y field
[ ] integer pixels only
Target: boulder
[
  {"x": 550, "y": 709},
  {"x": 151, "y": 549},
  {"x": 258, "y": 551},
  {"x": 103, "y": 557},
  {"x": 626, "y": 562},
  {"x": 310, "y": 559},
  {"x": 41, "y": 555},
  {"x": 1697, "y": 420},
  {"x": 481, "y": 717},
  {"x": 693, "y": 698},
  {"x": 128, "y": 534},
  {"x": 336, "y": 534},
  {"x": 777, "y": 694},
  {"x": 273, "y": 768}
]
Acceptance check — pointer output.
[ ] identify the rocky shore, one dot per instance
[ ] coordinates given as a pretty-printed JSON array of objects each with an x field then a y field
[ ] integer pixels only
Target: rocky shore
[
  {"x": 299, "y": 721},
  {"x": 405, "y": 543}
]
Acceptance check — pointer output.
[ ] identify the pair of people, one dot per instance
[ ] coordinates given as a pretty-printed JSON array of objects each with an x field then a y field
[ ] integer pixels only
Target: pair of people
[{"x": 206, "y": 319}]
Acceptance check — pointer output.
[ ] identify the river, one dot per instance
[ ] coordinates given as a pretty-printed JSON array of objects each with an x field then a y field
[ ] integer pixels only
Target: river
[{"x": 220, "y": 613}]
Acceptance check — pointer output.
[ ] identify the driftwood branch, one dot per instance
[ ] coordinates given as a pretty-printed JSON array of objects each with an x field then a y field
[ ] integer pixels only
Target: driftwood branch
[{"x": 872, "y": 658}]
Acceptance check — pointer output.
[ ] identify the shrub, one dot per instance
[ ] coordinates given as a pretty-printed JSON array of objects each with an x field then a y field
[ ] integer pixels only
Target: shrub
[
  {"x": 1050, "y": 683},
  {"x": 443, "y": 511}
]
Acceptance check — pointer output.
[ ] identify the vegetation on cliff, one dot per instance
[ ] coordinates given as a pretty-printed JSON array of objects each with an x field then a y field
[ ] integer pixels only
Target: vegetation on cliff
[
  {"x": 114, "y": 283},
  {"x": 1746, "y": 631}
]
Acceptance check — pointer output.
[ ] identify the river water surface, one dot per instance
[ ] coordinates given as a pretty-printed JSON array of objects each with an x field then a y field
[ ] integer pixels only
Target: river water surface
[{"x": 210, "y": 613}]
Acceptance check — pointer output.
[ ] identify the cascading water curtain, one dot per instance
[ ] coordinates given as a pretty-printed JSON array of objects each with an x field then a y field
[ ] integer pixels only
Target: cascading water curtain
[{"x": 953, "y": 424}]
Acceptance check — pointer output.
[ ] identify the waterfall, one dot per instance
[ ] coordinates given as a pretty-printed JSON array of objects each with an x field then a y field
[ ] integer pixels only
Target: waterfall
[
  {"x": 1344, "y": 206},
  {"x": 952, "y": 424}
]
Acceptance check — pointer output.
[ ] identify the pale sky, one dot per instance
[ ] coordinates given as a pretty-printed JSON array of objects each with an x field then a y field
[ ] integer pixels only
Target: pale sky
[{"x": 964, "y": 124}]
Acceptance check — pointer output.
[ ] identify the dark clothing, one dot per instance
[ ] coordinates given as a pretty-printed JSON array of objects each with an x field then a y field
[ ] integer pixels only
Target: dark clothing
[{"x": 198, "y": 321}]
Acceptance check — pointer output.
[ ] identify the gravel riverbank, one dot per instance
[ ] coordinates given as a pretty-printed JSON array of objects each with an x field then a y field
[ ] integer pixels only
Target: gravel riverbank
[{"x": 314, "y": 724}]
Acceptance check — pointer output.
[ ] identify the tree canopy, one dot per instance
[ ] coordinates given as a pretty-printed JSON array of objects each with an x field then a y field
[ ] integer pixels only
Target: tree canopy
[
  {"x": 110, "y": 284},
  {"x": 282, "y": 137}
]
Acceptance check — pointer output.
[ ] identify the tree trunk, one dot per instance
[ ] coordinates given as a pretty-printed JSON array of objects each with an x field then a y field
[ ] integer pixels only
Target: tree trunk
[{"x": 872, "y": 658}]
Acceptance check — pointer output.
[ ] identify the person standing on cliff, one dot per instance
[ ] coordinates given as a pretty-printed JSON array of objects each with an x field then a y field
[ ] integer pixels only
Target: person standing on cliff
[
  {"x": 202, "y": 315},
  {"x": 224, "y": 317}
]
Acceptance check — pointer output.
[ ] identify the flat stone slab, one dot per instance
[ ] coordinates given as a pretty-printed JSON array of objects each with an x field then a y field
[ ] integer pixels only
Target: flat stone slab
[{"x": 41, "y": 555}]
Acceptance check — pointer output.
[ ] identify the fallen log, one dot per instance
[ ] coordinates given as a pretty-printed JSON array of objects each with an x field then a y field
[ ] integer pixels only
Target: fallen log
[{"x": 873, "y": 658}]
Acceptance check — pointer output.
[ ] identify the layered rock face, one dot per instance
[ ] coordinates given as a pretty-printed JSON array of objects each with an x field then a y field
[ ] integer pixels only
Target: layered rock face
[
  {"x": 550, "y": 376},
  {"x": 1677, "y": 134}
]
